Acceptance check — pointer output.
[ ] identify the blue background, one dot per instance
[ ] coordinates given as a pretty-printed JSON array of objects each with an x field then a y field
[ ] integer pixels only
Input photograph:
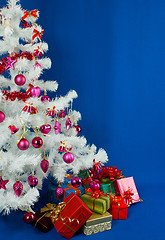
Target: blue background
[{"x": 112, "y": 52}]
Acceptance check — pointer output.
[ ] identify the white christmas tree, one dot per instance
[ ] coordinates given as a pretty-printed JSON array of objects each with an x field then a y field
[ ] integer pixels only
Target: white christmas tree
[{"x": 38, "y": 135}]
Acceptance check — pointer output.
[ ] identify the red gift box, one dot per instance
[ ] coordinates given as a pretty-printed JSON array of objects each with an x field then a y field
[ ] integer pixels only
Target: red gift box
[
  {"x": 74, "y": 214},
  {"x": 119, "y": 208}
]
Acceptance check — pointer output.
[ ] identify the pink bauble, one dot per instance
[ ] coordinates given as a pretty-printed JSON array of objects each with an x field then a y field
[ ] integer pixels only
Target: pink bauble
[
  {"x": 35, "y": 91},
  {"x": 37, "y": 65},
  {"x": 2, "y": 116},
  {"x": 78, "y": 129},
  {"x": 18, "y": 188},
  {"x": 45, "y": 129},
  {"x": 68, "y": 124},
  {"x": 23, "y": 144},
  {"x": 76, "y": 182},
  {"x": 32, "y": 180},
  {"x": 37, "y": 142},
  {"x": 20, "y": 80},
  {"x": 45, "y": 98},
  {"x": 59, "y": 192},
  {"x": 94, "y": 186},
  {"x": 62, "y": 113},
  {"x": 68, "y": 157},
  {"x": 28, "y": 217},
  {"x": 44, "y": 165}
]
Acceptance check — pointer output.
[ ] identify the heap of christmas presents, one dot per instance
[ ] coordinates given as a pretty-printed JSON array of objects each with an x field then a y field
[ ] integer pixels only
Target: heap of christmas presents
[{"x": 104, "y": 195}]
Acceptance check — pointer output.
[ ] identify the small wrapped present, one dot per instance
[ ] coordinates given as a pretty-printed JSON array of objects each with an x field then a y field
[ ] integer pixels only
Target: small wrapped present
[
  {"x": 85, "y": 177},
  {"x": 108, "y": 188},
  {"x": 68, "y": 189},
  {"x": 42, "y": 219},
  {"x": 70, "y": 215},
  {"x": 96, "y": 201},
  {"x": 128, "y": 190},
  {"x": 119, "y": 208},
  {"x": 97, "y": 223}
]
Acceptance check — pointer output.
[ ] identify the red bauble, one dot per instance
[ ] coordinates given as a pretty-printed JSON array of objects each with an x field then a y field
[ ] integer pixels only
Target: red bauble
[
  {"x": 62, "y": 113},
  {"x": 78, "y": 129},
  {"x": 2, "y": 116},
  {"x": 28, "y": 217},
  {"x": 23, "y": 144},
  {"x": 59, "y": 192},
  {"x": 68, "y": 157},
  {"x": 18, "y": 188},
  {"x": 20, "y": 80},
  {"x": 35, "y": 91},
  {"x": 45, "y": 98},
  {"x": 45, "y": 129},
  {"x": 76, "y": 182},
  {"x": 44, "y": 165},
  {"x": 37, "y": 142},
  {"x": 94, "y": 186},
  {"x": 32, "y": 180}
]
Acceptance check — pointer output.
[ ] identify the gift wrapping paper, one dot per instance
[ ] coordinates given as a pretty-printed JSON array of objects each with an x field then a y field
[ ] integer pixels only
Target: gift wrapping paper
[
  {"x": 68, "y": 189},
  {"x": 108, "y": 188},
  {"x": 119, "y": 208}
]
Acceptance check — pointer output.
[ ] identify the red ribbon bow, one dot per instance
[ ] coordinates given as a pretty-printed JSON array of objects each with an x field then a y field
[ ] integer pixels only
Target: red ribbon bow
[
  {"x": 36, "y": 34},
  {"x": 95, "y": 194},
  {"x": 52, "y": 111},
  {"x": 32, "y": 13},
  {"x": 111, "y": 172},
  {"x": 128, "y": 196}
]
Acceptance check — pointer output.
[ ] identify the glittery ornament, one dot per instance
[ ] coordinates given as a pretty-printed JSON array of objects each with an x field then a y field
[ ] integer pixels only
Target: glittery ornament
[
  {"x": 23, "y": 144},
  {"x": 18, "y": 188},
  {"x": 10, "y": 63},
  {"x": 35, "y": 91},
  {"x": 68, "y": 123},
  {"x": 2, "y": 116},
  {"x": 44, "y": 165},
  {"x": 57, "y": 127},
  {"x": 59, "y": 192},
  {"x": 28, "y": 217},
  {"x": 20, "y": 80},
  {"x": 78, "y": 129},
  {"x": 45, "y": 129},
  {"x": 37, "y": 142},
  {"x": 45, "y": 98},
  {"x": 76, "y": 182},
  {"x": 32, "y": 180},
  {"x": 68, "y": 157},
  {"x": 3, "y": 183},
  {"x": 94, "y": 186}
]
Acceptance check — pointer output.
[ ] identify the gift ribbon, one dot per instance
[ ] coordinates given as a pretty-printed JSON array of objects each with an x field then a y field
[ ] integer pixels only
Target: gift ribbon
[
  {"x": 128, "y": 195},
  {"x": 38, "y": 34},
  {"x": 117, "y": 201},
  {"x": 71, "y": 187},
  {"x": 30, "y": 13},
  {"x": 95, "y": 194},
  {"x": 112, "y": 172},
  {"x": 86, "y": 180}
]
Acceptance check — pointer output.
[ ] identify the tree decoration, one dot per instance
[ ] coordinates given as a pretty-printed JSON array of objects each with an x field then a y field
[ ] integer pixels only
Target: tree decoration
[
  {"x": 38, "y": 34},
  {"x": 44, "y": 165},
  {"x": 35, "y": 91},
  {"x": 32, "y": 13},
  {"x": 32, "y": 180},
  {"x": 15, "y": 95},
  {"x": 18, "y": 187},
  {"x": 29, "y": 108},
  {"x": 29, "y": 217},
  {"x": 59, "y": 192},
  {"x": 51, "y": 112},
  {"x": 62, "y": 113},
  {"x": 10, "y": 63},
  {"x": 94, "y": 186},
  {"x": 22, "y": 143},
  {"x": 57, "y": 127},
  {"x": 37, "y": 142},
  {"x": 45, "y": 129},
  {"x": 45, "y": 98},
  {"x": 3, "y": 183},
  {"x": 38, "y": 52},
  {"x": 20, "y": 80},
  {"x": 77, "y": 128},
  {"x": 68, "y": 157},
  {"x": 37, "y": 65},
  {"x": 68, "y": 123},
  {"x": 2, "y": 116},
  {"x": 13, "y": 129},
  {"x": 25, "y": 24},
  {"x": 76, "y": 182}
]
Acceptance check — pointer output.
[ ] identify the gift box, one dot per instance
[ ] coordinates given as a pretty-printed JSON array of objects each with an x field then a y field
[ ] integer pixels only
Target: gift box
[
  {"x": 119, "y": 208},
  {"x": 42, "y": 219},
  {"x": 97, "y": 223},
  {"x": 85, "y": 177},
  {"x": 128, "y": 190},
  {"x": 96, "y": 201},
  {"x": 68, "y": 189},
  {"x": 108, "y": 188},
  {"x": 70, "y": 215}
]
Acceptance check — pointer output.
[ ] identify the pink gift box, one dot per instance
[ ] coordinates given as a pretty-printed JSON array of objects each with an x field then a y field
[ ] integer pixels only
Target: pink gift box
[{"x": 128, "y": 190}]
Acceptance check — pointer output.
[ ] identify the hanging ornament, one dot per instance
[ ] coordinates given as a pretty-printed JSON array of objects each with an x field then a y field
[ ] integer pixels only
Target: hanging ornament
[
  {"x": 32, "y": 180},
  {"x": 13, "y": 129},
  {"x": 45, "y": 129},
  {"x": 78, "y": 129},
  {"x": 62, "y": 113},
  {"x": 32, "y": 13},
  {"x": 37, "y": 142},
  {"x": 29, "y": 108},
  {"x": 51, "y": 112},
  {"x": 18, "y": 188},
  {"x": 57, "y": 127},
  {"x": 44, "y": 165},
  {"x": 3, "y": 183},
  {"x": 29, "y": 217},
  {"x": 23, "y": 144},
  {"x": 38, "y": 52},
  {"x": 76, "y": 182},
  {"x": 2, "y": 116},
  {"x": 35, "y": 91},
  {"x": 10, "y": 63},
  {"x": 37, "y": 65},
  {"x": 68, "y": 157},
  {"x": 63, "y": 147},
  {"x": 45, "y": 98},
  {"x": 38, "y": 34},
  {"x": 68, "y": 123},
  {"x": 25, "y": 24},
  {"x": 59, "y": 192},
  {"x": 94, "y": 186},
  {"x": 20, "y": 80}
]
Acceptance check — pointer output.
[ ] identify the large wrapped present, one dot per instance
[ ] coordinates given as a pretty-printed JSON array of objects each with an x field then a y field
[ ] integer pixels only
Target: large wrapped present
[
  {"x": 42, "y": 220},
  {"x": 119, "y": 208},
  {"x": 70, "y": 216},
  {"x": 97, "y": 223},
  {"x": 68, "y": 189},
  {"x": 96, "y": 201},
  {"x": 128, "y": 190},
  {"x": 85, "y": 177}
]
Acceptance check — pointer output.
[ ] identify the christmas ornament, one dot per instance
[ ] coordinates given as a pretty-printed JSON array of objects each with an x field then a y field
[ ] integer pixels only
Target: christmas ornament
[
  {"x": 68, "y": 157},
  {"x": 15, "y": 95},
  {"x": 18, "y": 188},
  {"x": 94, "y": 186},
  {"x": 45, "y": 129},
  {"x": 44, "y": 165},
  {"x": 45, "y": 98},
  {"x": 29, "y": 108},
  {"x": 62, "y": 113},
  {"x": 59, "y": 192},
  {"x": 25, "y": 24},
  {"x": 96, "y": 169},
  {"x": 51, "y": 112},
  {"x": 57, "y": 127},
  {"x": 78, "y": 129},
  {"x": 37, "y": 142},
  {"x": 68, "y": 123},
  {"x": 38, "y": 52},
  {"x": 35, "y": 91},
  {"x": 76, "y": 182},
  {"x": 32, "y": 180},
  {"x": 2, "y": 116},
  {"x": 3, "y": 183},
  {"x": 28, "y": 217},
  {"x": 10, "y": 63},
  {"x": 23, "y": 144},
  {"x": 20, "y": 80},
  {"x": 32, "y": 13},
  {"x": 37, "y": 65},
  {"x": 13, "y": 129},
  {"x": 38, "y": 34}
]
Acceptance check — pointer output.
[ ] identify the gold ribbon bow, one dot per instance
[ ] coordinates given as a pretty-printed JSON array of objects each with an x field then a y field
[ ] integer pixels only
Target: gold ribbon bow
[{"x": 55, "y": 213}]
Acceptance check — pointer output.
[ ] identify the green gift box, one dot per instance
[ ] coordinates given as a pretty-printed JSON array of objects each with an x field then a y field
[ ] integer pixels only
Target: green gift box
[
  {"x": 83, "y": 174},
  {"x": 105, "y": 180},
  {"x": 108, "y": 188},
  {"x": 99, "y": 205}
]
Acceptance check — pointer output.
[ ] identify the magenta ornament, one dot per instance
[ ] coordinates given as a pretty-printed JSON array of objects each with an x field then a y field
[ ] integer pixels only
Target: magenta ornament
[
  {"x": 13, "y": 129},
  {"x": 44, "y": 165},
  {"x": 20, "y": 80},
  {"x": 68, "y": 157},
  {"x": 45, "y": 129},
  {"x": 94, "y": 186},
  {"x": 57, "y": 127},
  {"x": 59, "y": 192},
  {"x": 37, "y": 142},
  {"x": 45, "y": 98},
  {"x": 68, "y": 123},
  {"x": 62, "y": 113},
  {"x": 35, "y": 91},
  {"x": 18, "y": 188},
  {"x": 28, "y": 217},
  {"x": 2, "y": 116},
  {"x": 23, "y": 144},
  {"x": 76, "y": 182},
  {"x": 37, "y": 65},
  {"x": 62, "y": 149},
  {"x": 10, "y": 63},
  {"x": 78, "y": 129},
  {"x": 32, "y": 180}
]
